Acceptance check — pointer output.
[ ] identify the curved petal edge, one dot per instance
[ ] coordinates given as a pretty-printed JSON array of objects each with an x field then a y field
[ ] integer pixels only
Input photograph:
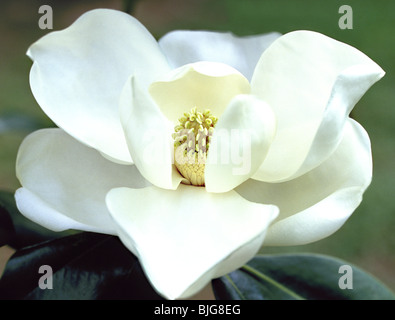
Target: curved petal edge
[{"x": 184, "y": 238}]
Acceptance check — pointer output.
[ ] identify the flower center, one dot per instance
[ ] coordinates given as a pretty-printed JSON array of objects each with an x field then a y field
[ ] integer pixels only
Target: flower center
[{"x": 191, "y": 143}]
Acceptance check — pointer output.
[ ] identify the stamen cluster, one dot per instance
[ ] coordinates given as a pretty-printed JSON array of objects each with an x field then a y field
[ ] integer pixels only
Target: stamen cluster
[{"x": 191, "y": 142}]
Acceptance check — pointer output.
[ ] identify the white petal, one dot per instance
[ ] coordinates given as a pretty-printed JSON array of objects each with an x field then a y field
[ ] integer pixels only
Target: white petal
[
  {"x": 40, "y": 211},
  {"x": 184, "y": 238},
  {"x": 318, "y": 203},
  {"x": 65, "y": 183},
  {"x": 205, "y": 85},
  {"x": 240, "y": 142},
  {"x": 78, "y": 74},
  {"x": 148, "y": 133},
  {"x": 312, "y": 82},
  {"x": 242, "y": 53}
]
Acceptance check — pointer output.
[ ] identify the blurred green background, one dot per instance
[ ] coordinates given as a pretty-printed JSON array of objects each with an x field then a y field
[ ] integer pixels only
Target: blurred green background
[{"x": 368, "y": 238}]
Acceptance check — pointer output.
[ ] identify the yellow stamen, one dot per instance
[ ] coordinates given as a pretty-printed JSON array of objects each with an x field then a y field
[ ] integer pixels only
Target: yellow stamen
[{"x": 191, "y": 143}]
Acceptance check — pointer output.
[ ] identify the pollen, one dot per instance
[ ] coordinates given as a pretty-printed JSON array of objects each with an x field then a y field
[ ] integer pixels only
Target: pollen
[{"x": 191, "y": 144}]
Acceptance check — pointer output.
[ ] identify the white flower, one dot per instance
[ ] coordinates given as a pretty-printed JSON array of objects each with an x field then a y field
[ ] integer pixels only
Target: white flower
[{"x": 116, "y": 95}]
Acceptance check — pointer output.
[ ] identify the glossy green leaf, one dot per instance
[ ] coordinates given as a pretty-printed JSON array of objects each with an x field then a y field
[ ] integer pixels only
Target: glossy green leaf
[
  {"x": 300, "y": 277},
  {"x": 85, "y": 266}
]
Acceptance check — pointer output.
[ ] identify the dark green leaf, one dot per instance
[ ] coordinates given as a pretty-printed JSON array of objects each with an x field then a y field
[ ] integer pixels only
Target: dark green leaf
[
  {"x": 7, "y": 231},
  {"x": 85, "y": 266},
  {"x": 299, "y": 276}
]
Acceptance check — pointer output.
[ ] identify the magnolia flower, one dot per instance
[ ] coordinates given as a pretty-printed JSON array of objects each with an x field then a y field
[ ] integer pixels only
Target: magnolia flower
[{"x": 198, "y": 149}]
